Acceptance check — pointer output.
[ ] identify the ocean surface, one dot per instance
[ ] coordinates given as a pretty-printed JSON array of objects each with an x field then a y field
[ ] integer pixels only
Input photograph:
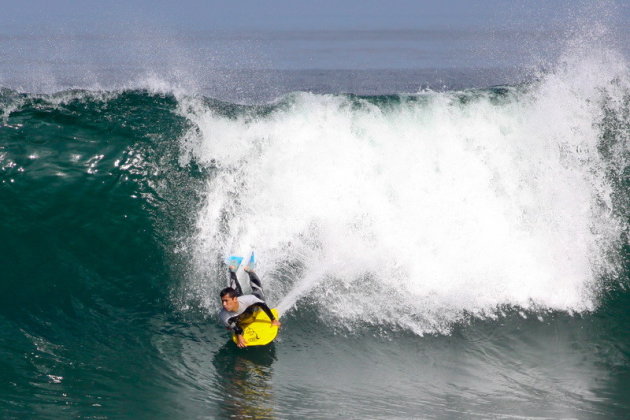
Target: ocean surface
[{"x": 442, "y": 242}]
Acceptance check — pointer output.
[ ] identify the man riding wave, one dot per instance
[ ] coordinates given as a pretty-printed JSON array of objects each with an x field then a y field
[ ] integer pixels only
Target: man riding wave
[{"x": 239, "y": 309}]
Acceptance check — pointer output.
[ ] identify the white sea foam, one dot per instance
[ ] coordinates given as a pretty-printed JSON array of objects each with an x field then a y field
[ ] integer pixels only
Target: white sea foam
[{"x": 422, "y": 211}]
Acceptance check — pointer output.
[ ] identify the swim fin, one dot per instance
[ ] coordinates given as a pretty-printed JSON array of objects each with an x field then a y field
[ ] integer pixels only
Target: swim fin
[
  {"x": 252, "y": 262},
  {"x": 234, "y": 261}
]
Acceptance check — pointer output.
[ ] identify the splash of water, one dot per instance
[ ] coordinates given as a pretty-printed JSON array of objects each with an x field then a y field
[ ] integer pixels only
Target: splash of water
[{"x": 421, "y": 209}]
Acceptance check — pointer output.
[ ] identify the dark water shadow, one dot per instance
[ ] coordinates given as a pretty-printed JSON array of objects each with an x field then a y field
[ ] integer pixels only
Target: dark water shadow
[{"x": 245, "y": 379}]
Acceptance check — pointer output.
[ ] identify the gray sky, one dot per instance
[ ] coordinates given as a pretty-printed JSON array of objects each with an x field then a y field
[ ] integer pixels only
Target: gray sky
[
  {"x": 294, "y": 14},
  {"x": 49, "y": 45}
]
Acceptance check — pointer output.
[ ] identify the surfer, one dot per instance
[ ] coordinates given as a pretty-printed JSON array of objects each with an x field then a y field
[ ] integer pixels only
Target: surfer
[{"x": 239, "y": 308}]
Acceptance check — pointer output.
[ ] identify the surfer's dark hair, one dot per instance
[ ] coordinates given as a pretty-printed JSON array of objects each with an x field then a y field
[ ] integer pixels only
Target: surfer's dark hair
[{"x": 229, "y": 292}]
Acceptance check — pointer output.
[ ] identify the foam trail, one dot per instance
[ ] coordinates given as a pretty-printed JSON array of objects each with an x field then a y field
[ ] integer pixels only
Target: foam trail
[{"x": 447, "y": 203}]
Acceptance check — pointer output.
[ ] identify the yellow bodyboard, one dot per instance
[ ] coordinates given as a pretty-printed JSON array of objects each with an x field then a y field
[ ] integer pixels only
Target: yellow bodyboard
[{"x": 260, "y": 331}]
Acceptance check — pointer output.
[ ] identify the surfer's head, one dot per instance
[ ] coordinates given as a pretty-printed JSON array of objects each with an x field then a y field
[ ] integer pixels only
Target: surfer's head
[{"x": 229, "y": 299}]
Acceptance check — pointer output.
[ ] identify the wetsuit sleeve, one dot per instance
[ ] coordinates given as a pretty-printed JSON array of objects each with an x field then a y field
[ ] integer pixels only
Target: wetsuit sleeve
[
  {"x": 265, "y": 308},
  {"x": 234, "y": 325}
]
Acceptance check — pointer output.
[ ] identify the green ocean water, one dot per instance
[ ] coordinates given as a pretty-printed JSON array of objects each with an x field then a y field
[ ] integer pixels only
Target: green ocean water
[{"x": 118, "y": 206}]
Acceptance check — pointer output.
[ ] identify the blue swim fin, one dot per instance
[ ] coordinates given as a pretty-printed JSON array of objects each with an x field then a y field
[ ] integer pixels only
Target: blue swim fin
[
  {"x": 252, "y": 262},
  {"x": 234, "y": 261}
]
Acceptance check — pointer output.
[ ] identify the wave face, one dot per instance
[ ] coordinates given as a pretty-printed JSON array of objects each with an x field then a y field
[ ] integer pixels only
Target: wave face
[{"x": 487, "y": 226}]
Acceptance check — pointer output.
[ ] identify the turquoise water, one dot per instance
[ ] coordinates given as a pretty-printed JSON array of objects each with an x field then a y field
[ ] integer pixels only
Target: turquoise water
[{"x": 440, "y": 255}]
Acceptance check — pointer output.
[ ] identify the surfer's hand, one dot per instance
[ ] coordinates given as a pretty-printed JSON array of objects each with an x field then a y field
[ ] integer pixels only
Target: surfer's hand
[
  {"x": 247, "y": 269},
  {"x": 240, "y": 341},
  {"x": 276, "y": 323}
]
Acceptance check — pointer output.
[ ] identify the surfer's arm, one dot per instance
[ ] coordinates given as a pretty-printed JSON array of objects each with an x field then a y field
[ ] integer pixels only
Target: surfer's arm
[
  {"x": 265, "y": 308},
  {"x": 234, "y": 325},
  {"x": 238, "y": 331}
]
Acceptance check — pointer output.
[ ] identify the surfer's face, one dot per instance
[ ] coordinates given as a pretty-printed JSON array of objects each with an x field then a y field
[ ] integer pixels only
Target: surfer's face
[{"x": 229, "y": 303}]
